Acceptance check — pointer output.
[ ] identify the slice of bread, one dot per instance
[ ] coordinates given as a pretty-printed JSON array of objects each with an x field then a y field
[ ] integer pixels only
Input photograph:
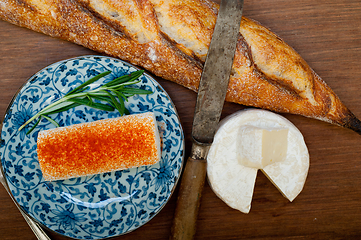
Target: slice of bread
[{"x": 98, "y": 147}]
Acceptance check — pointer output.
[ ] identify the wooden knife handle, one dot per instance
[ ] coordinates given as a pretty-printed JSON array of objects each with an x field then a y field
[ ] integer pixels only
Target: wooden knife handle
[{"x": 189, "y": 196}]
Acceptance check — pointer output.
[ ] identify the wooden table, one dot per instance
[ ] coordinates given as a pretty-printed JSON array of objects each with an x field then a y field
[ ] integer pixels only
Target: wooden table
[{"x": 327, "y": 33}]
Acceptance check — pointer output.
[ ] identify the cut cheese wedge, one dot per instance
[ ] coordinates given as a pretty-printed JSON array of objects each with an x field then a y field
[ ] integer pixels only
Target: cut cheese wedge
[
  {"x": 98, "y": 147},
  {"x": 259, "y": 147},
  {"x": 243, "y": 144}
]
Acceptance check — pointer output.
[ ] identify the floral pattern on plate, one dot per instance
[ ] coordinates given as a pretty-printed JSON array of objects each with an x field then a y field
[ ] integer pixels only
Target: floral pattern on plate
[{"x": 97, "y": 206}]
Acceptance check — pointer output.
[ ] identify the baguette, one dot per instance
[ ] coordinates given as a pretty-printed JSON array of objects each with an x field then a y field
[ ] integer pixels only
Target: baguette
[{"x": 171, "y": 39}]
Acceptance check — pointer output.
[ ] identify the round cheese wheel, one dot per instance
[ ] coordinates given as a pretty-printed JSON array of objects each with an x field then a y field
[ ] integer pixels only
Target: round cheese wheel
[{"x": 233, "y": 181}]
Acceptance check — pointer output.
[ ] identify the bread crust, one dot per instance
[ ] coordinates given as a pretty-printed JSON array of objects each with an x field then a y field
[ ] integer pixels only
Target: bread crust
[{"x": 171, "y": 38}]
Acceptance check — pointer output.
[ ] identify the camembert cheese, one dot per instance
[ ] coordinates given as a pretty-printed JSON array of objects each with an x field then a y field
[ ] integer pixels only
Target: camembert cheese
[
  {"x": 260, "y": 147},
  {"x": 256, "y": 139}
]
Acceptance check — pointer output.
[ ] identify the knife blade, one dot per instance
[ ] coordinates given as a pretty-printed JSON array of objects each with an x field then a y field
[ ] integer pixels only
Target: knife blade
[{"x": 210, "y": 100}]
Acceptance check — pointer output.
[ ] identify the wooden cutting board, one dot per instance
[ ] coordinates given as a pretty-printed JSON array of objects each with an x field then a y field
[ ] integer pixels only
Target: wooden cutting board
[{"x": 327, "y": 34}]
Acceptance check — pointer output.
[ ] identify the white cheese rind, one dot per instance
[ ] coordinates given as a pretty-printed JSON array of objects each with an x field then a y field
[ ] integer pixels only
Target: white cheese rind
[
  {"x": 226, "y": 176},
  {"x": 289, "y": 176},
  {"x": 233, "y": 182}
]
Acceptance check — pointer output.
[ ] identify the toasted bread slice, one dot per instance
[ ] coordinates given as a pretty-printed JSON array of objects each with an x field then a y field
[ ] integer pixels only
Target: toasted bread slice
[{"x": 98, "y": 147}]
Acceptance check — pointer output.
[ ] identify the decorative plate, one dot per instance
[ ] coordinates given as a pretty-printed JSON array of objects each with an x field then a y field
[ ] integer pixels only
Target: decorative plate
[{"x": 98, "y": 206}]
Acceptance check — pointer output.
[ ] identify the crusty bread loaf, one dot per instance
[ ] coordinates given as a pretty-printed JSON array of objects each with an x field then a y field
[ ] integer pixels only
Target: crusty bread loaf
[
  {"x": 98, "y": 147},
  {"x": 171, "y": 39}
]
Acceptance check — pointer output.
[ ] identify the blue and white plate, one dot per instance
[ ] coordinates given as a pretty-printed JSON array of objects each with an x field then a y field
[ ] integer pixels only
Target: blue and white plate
[{"x": 98, "y": 206}]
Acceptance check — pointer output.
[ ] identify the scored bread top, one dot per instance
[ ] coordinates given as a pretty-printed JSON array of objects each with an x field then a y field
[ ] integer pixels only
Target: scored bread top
[
  {"x": 171, "y": 38},
  {"x": 100, "y": 146}
]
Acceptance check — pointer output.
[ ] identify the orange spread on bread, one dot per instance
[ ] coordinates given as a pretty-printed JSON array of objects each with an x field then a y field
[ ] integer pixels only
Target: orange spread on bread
[{"x": 98, "y": 147}]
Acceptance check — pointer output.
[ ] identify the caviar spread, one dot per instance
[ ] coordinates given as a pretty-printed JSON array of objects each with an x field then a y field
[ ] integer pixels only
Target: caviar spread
[{"x": 100, "y": 146}]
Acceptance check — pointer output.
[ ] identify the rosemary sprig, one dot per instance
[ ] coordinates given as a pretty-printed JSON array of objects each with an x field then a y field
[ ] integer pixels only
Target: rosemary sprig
[{"x": 113, "y": 93}]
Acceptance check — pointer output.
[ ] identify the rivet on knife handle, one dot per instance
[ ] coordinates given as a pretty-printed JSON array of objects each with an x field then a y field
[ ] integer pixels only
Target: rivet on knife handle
[{"x": 210, "y": 99}]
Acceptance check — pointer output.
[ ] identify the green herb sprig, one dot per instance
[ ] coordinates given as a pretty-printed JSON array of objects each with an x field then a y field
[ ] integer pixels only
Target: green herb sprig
[{"x": 113, "y": 93}]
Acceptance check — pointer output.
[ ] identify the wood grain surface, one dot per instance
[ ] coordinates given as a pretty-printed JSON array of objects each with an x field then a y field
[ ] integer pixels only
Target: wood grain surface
[{"x": 327, "y": 34}]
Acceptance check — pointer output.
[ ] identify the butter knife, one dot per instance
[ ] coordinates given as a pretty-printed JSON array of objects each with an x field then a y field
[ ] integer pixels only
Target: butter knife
[{"x": 210, "y": 100}]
